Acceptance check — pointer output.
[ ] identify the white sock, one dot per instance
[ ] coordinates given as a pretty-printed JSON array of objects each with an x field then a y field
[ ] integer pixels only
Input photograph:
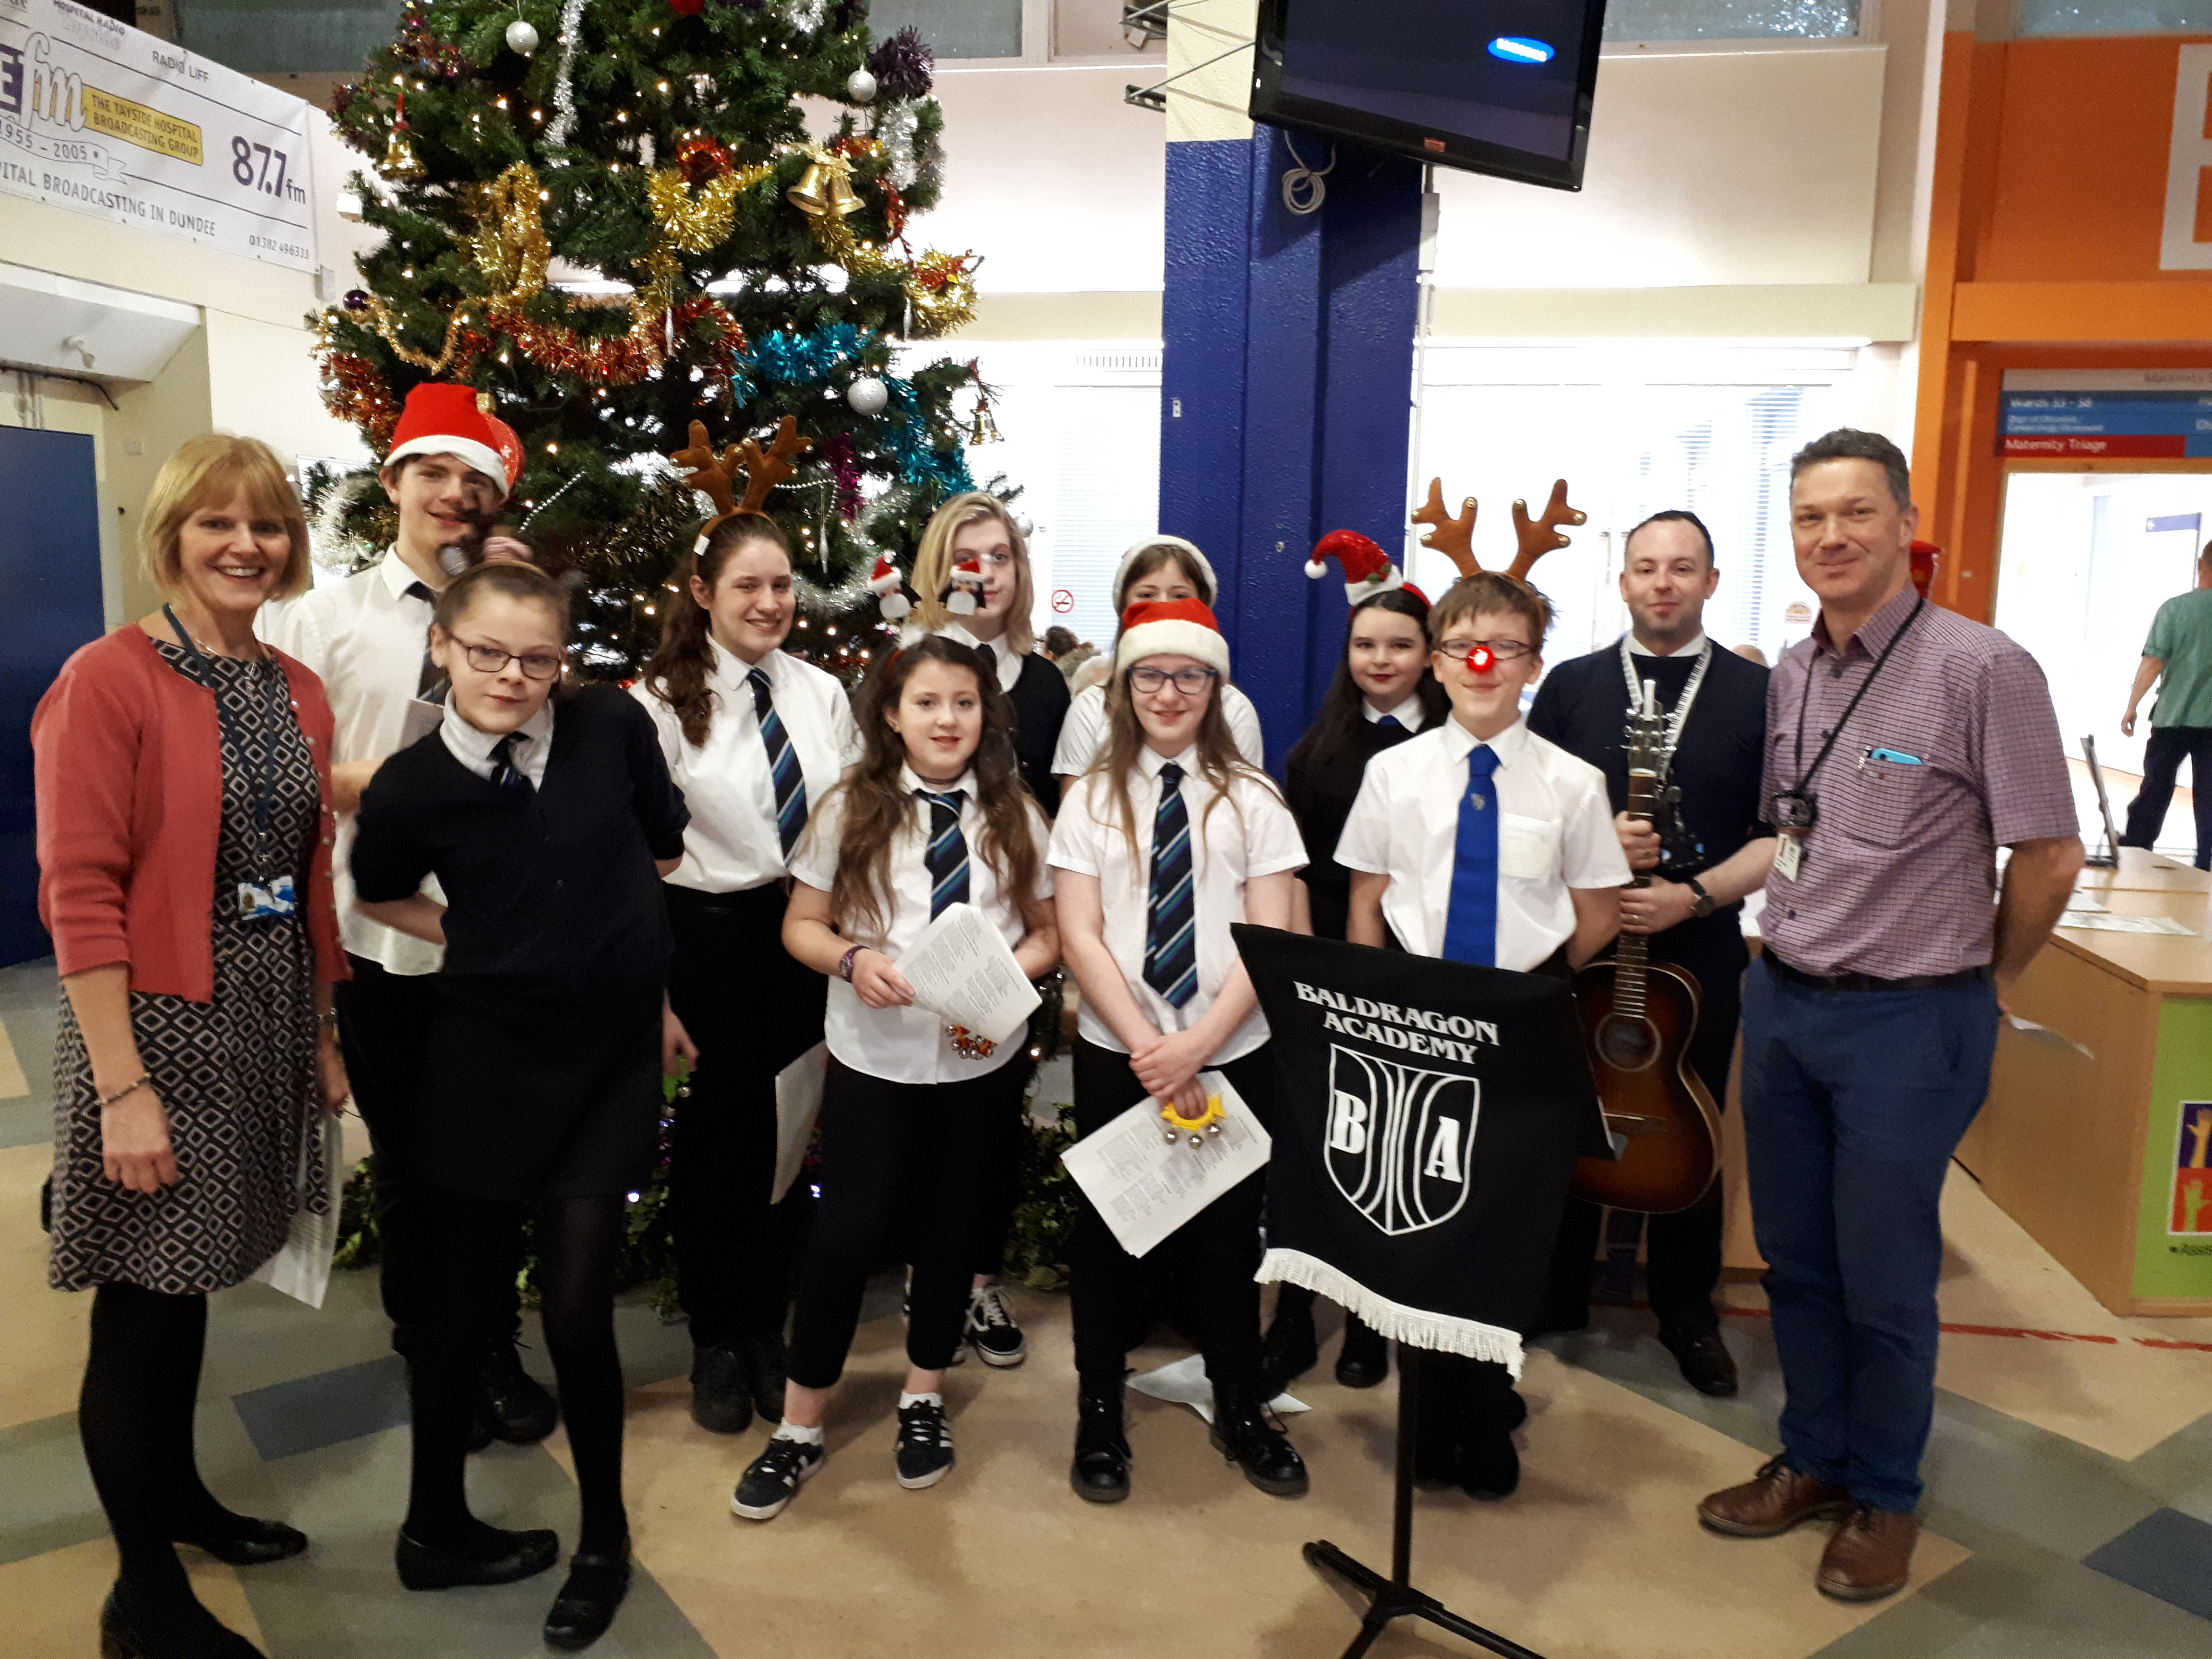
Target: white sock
[
  {"x": 799, "y": 1432},
  {"x": 931, "y": 1399}
]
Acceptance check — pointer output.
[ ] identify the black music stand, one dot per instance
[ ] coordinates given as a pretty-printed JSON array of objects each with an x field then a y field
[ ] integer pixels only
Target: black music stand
[{"x": 1395, "y": 1597}]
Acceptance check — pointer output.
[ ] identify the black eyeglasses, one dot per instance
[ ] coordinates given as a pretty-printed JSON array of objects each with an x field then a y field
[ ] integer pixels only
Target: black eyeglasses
[
  {"x": 1189, "y": 681},
  {"x": 491, "y": 659},
  {"x": 1503, "y": 650}
]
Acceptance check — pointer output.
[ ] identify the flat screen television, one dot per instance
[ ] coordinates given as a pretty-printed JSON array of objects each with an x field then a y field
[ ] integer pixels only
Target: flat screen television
[{"x": 1502, "y": 86}]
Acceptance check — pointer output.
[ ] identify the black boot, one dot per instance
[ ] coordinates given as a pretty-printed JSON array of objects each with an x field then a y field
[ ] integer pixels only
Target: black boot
[
  {"x": 516, "y": 1406},
  {"x": 764, "y": 1376},
  {"x": 1288, "y": 1351},
  {"x": 1101, "y": 1471},
  {"x": 1489, "y": 1464},
  {"x": 1249, "y": 1436},
  {"x": 721, "y": 1392},
  {"x": 1365, "y": 1360}
]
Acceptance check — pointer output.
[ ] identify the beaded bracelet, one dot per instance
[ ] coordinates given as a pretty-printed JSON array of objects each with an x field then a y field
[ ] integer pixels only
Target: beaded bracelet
[{"x": 140, "y": 1082}]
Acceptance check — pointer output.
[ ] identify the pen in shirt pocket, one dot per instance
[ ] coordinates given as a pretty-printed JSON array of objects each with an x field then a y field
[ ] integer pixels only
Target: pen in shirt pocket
[{"x": 1894, "y": 756}]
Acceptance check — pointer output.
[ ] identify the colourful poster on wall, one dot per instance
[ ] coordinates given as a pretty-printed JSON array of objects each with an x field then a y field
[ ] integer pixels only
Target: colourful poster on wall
[
  {"x": 2192, "y": 1171},
  {"x": 2173, "y": 1227},
  {"x": 108, "y": 120}
]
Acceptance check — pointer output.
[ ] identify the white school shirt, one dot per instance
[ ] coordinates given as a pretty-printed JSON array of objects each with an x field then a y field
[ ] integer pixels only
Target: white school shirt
[
  {"x": 1250, "y": 832},
  {"x": 1554, "y": 832},
  {"x": 1408, "y": 713},
  {"x": 472, "y": 747},
  {"x": 911, "y": 1045},
  {"x": 1003, "y": 660},
  {"x": 364, "y": 637},
  {"x": 1082, "y": 733},
  {"x": 730, "y": 843}
]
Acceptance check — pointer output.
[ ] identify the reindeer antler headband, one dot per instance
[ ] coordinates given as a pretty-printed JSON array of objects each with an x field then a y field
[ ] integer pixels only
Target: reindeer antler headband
[
  {"x": 715, "y": 476},
  {"x": 1453, "y": 537}
]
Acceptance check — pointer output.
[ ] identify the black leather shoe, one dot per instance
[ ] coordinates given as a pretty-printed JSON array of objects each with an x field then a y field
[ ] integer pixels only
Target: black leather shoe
[
  {"x": 1247, "y": 1435},
  {"x": 1365, "y": 1358},
  {"x": 1489, "y": 1467},
  {"x": 1288, "y": 1351},
  {"x": 764, "y": 1375},
  {"x": 1100, "y": 1474},
  {"x": 721, "y": 1396},
  {"x": 586, "y": 1603},
  {"x": 243, "y": 1541},
  {"x": 126, "y": 1632},
  {"x": 516, "y": 1405},
  {"x": 504, "y": 1557},
  {"x": 1707, "y": 1365},
  {"x": 480, "y": 1434}
]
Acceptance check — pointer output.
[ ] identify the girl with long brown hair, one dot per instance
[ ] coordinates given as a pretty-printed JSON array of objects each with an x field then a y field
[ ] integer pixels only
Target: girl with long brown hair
[
  {"x": 755, "y": 737},
  {"x": 1168, "y": 839},
  {"x": 934, "y": 815}
]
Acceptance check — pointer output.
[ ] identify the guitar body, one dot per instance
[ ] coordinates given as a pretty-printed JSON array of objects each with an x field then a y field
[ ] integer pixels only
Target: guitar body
[{"x": 1641, "y": 1063}]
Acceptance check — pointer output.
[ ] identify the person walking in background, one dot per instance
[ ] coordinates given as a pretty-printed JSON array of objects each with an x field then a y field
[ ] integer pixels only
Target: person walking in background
[
  {"x": 183, "y": 835},
  {"x": 2178, "y": 656},
  {"x": 1905, "y": 744}
]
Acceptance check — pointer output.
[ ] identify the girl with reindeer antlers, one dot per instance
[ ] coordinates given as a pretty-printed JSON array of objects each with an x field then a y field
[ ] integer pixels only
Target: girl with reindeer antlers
[
  {"x": 755, "y": 739},
  {"x": 1478, "y": 841}
]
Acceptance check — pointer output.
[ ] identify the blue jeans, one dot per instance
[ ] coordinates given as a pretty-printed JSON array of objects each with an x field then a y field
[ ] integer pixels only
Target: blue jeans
[{"x": 1853, "y": 1102}]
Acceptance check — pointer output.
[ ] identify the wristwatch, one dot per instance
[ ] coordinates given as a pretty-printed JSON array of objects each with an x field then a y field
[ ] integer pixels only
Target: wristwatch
[{"x": 1703, "y": 904}]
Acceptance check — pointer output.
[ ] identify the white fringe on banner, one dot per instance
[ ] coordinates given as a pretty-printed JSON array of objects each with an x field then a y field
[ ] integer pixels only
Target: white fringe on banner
[{"x": 1394, "y": 1320}]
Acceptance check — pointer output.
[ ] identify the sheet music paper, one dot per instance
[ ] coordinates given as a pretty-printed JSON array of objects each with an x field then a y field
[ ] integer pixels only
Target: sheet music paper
[
  {"x": 964, "y": 972},
  {"x": 301, "y": 1268},
  {"x": 1145, "y": 1186},
  {"x": 798, "y": 1104}
]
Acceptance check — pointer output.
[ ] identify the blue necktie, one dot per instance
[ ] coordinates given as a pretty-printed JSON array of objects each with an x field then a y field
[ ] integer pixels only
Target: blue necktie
[
  {"x": 947, "y": 857},
  {"x": 1471, "y": 923},
  {"x": 782, "y": 765},
  {"x": 1171, "y": 914},
  {"x": 507, "y": 767},
  {"x": 1391, "y": 723}
]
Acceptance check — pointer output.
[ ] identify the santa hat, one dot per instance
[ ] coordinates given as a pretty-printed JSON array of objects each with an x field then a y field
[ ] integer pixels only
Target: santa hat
[
  {"x": 457, "y": 420},
  {"x": 1367, "y": 569},
  {"x": 1171, "y": 628},
  {"x": 1187, "y": 556},
  {"x": 964, "y": 592},
  {"x": 883, "y": 582}
]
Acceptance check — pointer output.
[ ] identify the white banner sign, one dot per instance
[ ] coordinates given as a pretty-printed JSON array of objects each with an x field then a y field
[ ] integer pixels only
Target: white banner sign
[{"x": 115, "y": 122}]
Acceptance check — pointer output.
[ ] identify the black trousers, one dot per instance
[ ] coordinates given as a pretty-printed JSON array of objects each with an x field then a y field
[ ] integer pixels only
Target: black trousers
[
  {"x": 384, "y": 1028},
  {"x": 1682, "y": 1251},
  {"x": 1210, "y": 1261},
  {"x": 2169, "y": 746},
  {"x": 751, "y": 1011},
  {"x": 905, "y": 1176}
]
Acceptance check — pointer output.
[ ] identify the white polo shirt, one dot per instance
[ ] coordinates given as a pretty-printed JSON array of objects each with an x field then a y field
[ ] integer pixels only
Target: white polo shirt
[
  {"x": 911, "y": 1045},
  {"x": 1247, "y": 832},
  {"x": 364, "y": 637},
  {"x": 730, "y": 843},
  {"x": 1082, "y": 733},
  {"x": 1554, "y": 832}
]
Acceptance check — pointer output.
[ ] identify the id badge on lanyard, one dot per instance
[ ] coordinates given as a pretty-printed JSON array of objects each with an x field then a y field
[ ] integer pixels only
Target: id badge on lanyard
[{"x": 258, "y": 901}]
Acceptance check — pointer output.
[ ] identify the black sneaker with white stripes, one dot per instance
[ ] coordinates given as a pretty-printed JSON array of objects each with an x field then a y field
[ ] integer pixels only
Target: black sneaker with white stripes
[
  {"x": 924, "y": 1445},
  {"x": 775, "y": 1478},
  {"x": 991, "y": 1327}
]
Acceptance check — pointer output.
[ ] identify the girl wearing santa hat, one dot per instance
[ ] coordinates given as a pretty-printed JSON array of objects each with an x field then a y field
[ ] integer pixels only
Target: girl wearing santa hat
[
  {"x": 1382, "y": 695},
  {"x": 1166, "y": 841},
  {"x": 755, "y": 739},
  {"x": 1159, "y": 567}
]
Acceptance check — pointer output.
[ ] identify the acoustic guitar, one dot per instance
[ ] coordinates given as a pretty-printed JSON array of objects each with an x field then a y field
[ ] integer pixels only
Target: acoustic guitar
[{"x": 1638, "y": 1017}]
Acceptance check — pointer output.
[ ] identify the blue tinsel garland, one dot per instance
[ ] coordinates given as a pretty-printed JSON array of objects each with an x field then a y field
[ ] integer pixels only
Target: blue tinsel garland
[{"x": 803, "y": 359}]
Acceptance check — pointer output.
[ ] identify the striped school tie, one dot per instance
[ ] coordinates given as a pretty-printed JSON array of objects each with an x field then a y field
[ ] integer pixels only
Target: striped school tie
[
  {"x": 947, "y": 857},
  {"x": 1171, "y": 918},
  {"x": 506, "y": 764},
  {"x": 782, "y": 765},
  {"x": 430, "y": 682}
]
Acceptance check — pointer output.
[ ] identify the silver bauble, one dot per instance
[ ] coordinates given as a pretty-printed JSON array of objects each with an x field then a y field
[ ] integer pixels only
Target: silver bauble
[
  {"x": 521, "y": 37},
  {"x": 867, "y": 395},
  {"x": 861, "y": 86}
]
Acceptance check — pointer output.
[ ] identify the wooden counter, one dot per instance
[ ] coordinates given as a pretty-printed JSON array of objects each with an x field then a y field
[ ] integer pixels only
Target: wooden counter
[
  {"x": 2144, "y": 872},
  {"x": 2098, "y": 1129}
]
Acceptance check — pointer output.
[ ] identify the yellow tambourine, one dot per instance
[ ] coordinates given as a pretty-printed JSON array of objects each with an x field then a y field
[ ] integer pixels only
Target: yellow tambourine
[{"x": 1207, "y": 1122}]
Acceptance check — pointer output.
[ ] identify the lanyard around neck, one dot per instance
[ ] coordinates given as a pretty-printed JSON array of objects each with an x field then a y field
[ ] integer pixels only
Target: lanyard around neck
[
  {"x": 273, "y": 712},
  {"x": 1804, "y": 772},
  {"x": 1681, "y": 717}
]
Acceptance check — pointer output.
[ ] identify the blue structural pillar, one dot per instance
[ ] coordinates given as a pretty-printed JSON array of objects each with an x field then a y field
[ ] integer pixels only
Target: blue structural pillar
[{"x": 1286, "y": 389}]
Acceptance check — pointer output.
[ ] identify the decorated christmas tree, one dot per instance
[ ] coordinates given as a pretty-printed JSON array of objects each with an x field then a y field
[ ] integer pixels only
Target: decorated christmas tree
[{"x": 609, "y": 217}]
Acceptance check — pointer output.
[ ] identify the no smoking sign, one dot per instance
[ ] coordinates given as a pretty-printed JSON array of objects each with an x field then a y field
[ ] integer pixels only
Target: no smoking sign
[{"x": 1063, "y": 601}]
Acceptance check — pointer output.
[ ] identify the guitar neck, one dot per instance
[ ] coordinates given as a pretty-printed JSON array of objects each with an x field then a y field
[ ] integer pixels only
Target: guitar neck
[{"x": 1631, "y": 952}]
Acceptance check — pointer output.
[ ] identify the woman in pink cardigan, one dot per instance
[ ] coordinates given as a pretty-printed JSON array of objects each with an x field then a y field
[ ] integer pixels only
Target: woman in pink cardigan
[{"x": 184, "y": 829}]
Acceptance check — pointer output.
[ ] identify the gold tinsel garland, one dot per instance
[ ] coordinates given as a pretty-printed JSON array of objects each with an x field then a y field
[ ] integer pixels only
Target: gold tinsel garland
[{"x": 510, "y": 247}]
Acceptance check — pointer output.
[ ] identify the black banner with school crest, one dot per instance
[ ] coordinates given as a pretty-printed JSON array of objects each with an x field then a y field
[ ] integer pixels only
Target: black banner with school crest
[{"x": 1427, "y": 1117}]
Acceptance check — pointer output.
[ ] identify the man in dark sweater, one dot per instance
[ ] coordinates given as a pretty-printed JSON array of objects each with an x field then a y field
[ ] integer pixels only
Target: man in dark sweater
[{"x": 1705, "y": 854}]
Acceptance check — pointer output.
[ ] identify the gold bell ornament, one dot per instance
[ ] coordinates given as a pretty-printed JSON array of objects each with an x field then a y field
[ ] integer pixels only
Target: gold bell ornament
[
  {"x": 983, "y": 429},
  {"x": 400, "y": 162},
  {"x": 825, "y": 188}
]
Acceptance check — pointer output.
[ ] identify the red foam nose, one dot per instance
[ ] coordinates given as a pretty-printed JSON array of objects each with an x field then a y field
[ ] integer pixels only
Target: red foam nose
[{"x": 1480, "y": 659}]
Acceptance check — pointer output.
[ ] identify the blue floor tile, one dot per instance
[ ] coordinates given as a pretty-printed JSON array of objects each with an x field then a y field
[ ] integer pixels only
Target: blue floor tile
[
  {"x": 313, "y": 1412},
  {"x": 2166, "y": 1554}
]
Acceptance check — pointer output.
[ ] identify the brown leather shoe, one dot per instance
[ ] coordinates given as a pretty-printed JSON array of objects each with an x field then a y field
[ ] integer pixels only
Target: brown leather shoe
[
  {"x": 1771, "y": 1502},
  {"x": 1870, "y": 1556}
]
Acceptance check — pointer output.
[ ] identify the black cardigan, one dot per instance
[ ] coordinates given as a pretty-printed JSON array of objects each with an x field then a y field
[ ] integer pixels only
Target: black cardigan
[
  {"x": 1321, "y": 794},
  {"x": 1040, "y": 698},
  {"x": 551, "y": 891}
]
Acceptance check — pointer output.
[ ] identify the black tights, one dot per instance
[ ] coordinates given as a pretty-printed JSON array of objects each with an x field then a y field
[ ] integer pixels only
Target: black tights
[
  {"x": 579, "y": 1250},
  {"x": 134, "y": 1414}
]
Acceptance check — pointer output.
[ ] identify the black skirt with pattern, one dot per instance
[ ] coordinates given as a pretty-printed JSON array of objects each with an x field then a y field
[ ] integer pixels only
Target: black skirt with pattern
[{"x": 236, "y": 1073}]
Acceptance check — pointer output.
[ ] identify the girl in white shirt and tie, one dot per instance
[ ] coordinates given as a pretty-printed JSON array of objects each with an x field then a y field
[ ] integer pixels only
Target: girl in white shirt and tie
[
  {"x": 934, "y": 815},
  {"x": 755, "y": 739},
  {"x": 1167, "y": 840}
]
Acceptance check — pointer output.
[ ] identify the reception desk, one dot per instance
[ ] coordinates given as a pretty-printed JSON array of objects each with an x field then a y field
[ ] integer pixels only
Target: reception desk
[{"x": 2097, "y": 1135}]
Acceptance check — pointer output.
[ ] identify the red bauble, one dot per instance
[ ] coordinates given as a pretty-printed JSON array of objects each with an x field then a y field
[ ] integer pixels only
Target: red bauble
[
  {"x": 687, "y": 8},
  {"x": 701, "y": 158}
]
